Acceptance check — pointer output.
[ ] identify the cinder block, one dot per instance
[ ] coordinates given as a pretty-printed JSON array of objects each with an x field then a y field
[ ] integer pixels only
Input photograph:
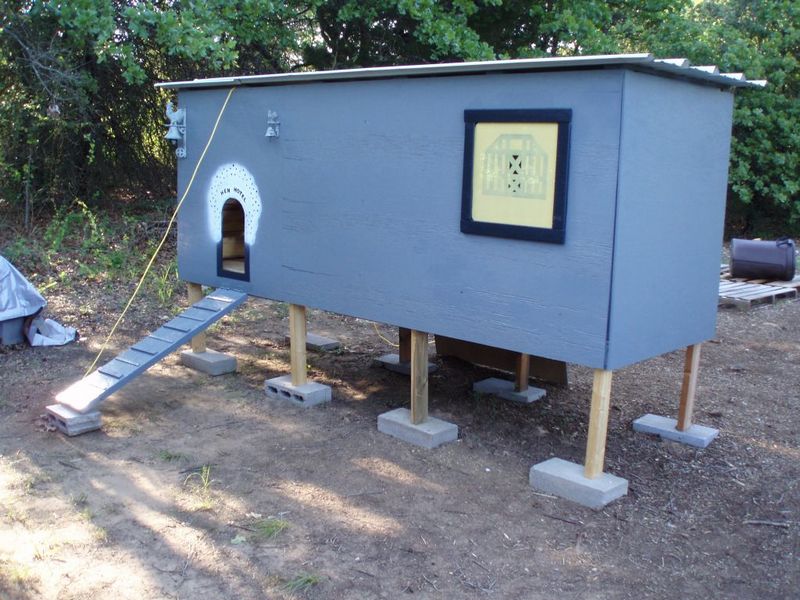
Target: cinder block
[
  {"x": 697, "y": 435},
  {"x": 319, "y": 343},
  {"x": 392, "y": 363},
  {"x": 308, "y": 394},
  {"x": 566, "y": 480},
  {"x": 209, "y": 362},
  {"x": 72, "y": 423},
  {"x": 430, "y": 433},
  {"x": 505, "y": 390}
]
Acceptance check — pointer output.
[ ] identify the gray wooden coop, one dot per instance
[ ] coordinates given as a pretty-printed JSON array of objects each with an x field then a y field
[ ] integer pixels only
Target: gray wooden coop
[{"x": 566, "y": 208}]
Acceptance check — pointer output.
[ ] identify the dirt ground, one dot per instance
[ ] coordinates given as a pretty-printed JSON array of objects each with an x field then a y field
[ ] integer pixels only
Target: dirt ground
[{"x": 202, "y": 488}]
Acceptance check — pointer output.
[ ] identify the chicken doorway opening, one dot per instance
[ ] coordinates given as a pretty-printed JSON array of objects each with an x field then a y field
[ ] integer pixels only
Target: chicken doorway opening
[{"x": 233, "y": 251}]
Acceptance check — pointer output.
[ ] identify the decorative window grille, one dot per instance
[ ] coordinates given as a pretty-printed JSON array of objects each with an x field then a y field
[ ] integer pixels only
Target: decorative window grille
[{"x": 515, "y": 165}]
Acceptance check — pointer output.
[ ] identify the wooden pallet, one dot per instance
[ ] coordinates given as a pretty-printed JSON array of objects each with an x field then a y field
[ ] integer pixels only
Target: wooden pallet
[
  {"x": 744, "y": 294},
  {"x": 725, "y": 275}
]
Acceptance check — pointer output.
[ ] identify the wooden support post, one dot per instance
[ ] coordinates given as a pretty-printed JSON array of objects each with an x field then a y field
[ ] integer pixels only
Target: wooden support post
[
  {"x": 405, "y": 345},
  {"x": 522, "y": 373},
  {"x": 195, "y": 295},
  {"x": 419, "y": 377},
  {"x": 598, "y": 424},
  {"x": 297, "y": 343},
  {"x": 690, "y": 369}
]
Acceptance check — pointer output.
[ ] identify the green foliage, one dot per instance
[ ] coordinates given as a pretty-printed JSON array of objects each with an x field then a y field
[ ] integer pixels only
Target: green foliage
[
  {"x": 765, "y": 160},
  {"x": 301, "y": 583},
  {"x": 760, "y": 38},
  {"x": 166, "y": 282},
  {"x": 97, "y": 246},
  {"x": 80, "y": 114},
  {"x": 78, "y": 104},
  {"x": 269, "y": 528}
]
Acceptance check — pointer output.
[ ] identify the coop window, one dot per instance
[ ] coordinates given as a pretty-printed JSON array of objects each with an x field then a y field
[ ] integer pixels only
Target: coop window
[
  {"x": 515, "y": 173},
  {"x": 233, "y": 253}
]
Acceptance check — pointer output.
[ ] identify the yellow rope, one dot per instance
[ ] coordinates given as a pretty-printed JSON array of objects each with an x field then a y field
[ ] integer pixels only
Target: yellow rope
[
  {"x": 380, "y": 335},
  {"x": 166, "y": 233}
]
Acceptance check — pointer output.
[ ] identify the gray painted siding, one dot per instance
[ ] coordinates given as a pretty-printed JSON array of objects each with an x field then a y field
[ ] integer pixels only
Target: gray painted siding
[
  {"x": 670, "y": 213},
  {"x": 361, "y": 203}
]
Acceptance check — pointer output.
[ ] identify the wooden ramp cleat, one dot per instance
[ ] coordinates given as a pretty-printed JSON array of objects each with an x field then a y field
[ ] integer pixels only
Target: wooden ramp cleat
[{"x": 72, "y": 423}]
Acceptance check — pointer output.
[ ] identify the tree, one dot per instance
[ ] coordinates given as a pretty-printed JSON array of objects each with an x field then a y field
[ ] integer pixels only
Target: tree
[
  {"x": 78, "y": 79},
  {"x": 82, "y": 115},
  {"x": 760, "y": 38}
]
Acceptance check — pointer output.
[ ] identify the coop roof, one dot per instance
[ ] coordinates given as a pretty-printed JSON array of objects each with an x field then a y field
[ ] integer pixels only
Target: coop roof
[{"x": 672, "y": 67}]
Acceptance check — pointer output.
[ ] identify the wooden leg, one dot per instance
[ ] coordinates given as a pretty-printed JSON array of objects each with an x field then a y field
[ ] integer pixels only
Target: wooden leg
[
  {"x": 598, "y": 424},
  {"x": 419, "y": 377},
  {"x": 522, "y": 373},
  {"x": 195, "y": 295},
  {"x": 405, "y": 345},
  {"x": 690, "y": 370},
  {"x": 297, "y": 343}
]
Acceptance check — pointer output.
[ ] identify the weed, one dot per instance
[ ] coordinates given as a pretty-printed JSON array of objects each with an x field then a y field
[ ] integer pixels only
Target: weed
[
  {"x": 100, "y": 535},
  {"x": 23, "y": 253},
  {"x": 169, "y": 456},
  {"x": 86, "y": 514},
  {"x": 269, "y": 528},
  {"x": 32, "y": 482},
  {"x": 202, "y": 488},
  {"x": 80, "y": 501},
  {"x": 166, "y": 282},
  {"x": 14, "y": 515},
  {"x": 282, "y": 310},
  {"x": 301, "y": 583},
  {"x": 17, "y": 573}
]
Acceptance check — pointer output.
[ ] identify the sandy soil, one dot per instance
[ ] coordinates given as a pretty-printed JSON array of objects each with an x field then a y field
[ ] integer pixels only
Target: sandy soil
[{"x": 316, "y": 503}]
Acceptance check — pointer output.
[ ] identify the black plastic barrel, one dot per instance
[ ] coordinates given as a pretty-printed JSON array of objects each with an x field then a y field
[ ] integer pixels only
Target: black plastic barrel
[{"x": 762, "y": 259}]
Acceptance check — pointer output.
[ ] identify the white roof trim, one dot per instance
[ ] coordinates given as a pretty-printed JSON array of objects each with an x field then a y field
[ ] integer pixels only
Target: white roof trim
[{"x": 645, "y": 62}]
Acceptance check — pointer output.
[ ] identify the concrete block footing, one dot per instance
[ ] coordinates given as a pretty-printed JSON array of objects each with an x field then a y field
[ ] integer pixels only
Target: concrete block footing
[
  {"x": 209, "y": 362},
  {"x": 505, "y": 390},
  {"x": 696, "y": 435},
  {"x": 70, "y": 422},
  {"x": 319, "y": 343},
  {"x": 392, "y": 362},
  {"x": 566, "y": 480},
  {"x": 429, "y": 434},
  {"x": 308, "y": 394}
]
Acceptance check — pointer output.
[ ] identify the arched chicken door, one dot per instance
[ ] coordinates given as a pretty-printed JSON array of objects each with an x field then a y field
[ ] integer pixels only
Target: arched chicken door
[
  {"x": 234, "y": 209},
  {"x": 234, "y": 255}
]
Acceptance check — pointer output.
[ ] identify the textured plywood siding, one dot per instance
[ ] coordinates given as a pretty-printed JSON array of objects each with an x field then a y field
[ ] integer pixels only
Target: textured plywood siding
[
  {"x": 670, "y": 213},
  {"x": 361, "y": 204}
]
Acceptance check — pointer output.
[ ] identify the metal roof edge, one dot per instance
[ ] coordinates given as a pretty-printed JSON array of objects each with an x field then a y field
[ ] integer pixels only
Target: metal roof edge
[
  {"x": 526, "y": 64},
  {"x": 680, "y": 67}
]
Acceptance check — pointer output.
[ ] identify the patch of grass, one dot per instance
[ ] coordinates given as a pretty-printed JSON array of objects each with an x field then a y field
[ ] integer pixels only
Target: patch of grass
[
  {"x": 31, "y": 482},
  {"x": 169, "y": 456},
  {"x": 166, "y": 282},
  {"x": 266, "y": 529},
  {"x": 13, "y": 515},
  {"x": 17, "y": 573},
  {"x": 80, "y": 500},
  {"x": 100, "y": 535},
  {"x": 121, "y": 427},
  {"x": 39, "y": 553},
  {"x": 201, "y": 488},
  {"x": 81, "y": 241},
  {"x": 301, "y": 583},
  {"x": 282, "y": 310},
  {"x": 86, "y": 514}
]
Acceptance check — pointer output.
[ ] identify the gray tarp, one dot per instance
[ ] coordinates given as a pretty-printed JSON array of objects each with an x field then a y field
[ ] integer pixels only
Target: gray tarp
[{"x": 18, "y": 298}]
